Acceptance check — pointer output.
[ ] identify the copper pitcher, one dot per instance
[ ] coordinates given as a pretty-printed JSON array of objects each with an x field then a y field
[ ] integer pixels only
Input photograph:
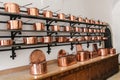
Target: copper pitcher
[
  {"x": 12, "y": 8},
  {"x": 33, "y": 11}
]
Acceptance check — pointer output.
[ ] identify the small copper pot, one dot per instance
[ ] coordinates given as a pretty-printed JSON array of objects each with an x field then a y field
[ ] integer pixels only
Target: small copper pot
[
  {"x": 99, "y": 37},
  {"x": 76, "y": 29},
  {"x": 55, "y": 28},
  {"x": 98, "y": 31},
  {"x": 39, "y": 26},
  {"x": 67, "y": 28},
  {"x": 79, "y": 47},
  {"x": 33, "y": 11},
  {"x": 80, "y": 19},
  {"x": 12, "y": 8},
  {"x": 94, "y": 30},
  {"x": 87, "y": 20},
  {"x": 84, "y": 30},
  {"x": 48, "y": 14},
  {"x": 46, "y": 39},
  {"x": 83, "y": 55},
  {"x": 61, "y": 16},
  {"x": 102, "y": 31},
  {"x": 30, "y": 40},
  {"x": 90, "y": 30},
  {"x": 92, "y": 21},
  {"x": 72, "y": 18},
  {"x": 96, "y": 22},
  {"x": 38, "y": 68},
  {"x": 61, "y": 39},
  {"x": 80, "y": 39},
  {"x": 71, "y": 39},
  {"x": 112, "y": 51},
  {"x": 87, "y": 38},
  {"x": 103, "y": 51},
  {"x": 94, "y": 38},
  {"x": 14, "y": 25},
  {"x": 6, "y": 42}
]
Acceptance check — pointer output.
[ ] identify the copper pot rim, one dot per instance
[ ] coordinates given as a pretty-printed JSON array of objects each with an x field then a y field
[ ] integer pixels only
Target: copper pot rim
[{"x": 11, "y": 3}]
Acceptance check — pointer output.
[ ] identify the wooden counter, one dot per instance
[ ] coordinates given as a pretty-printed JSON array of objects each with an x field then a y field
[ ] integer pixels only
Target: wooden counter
[{"x": 98, "y": 68}]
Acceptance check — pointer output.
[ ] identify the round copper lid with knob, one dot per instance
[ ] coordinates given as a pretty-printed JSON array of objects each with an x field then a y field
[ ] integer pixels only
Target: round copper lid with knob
[{"x": 37, "y": 56}]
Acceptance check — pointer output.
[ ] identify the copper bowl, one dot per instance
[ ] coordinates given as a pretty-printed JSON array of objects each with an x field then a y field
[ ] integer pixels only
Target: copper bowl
[
  {"x": 14, "y": 25},
  {"x": 12, "y": 8},
  {"x": 83, "y": 55},
  {"x": 79, "y": 47},
  {"x": 6, "y": 42},
  {"x": 67, "y": 28},
  {"x": 55, "y": 28},
  {"x": 61, "y": 39},
  {"x": 48, "y": 14},
  {"x": 61, "y": 16},
  {"x": 30, "y": 40},
  {"x": 72, "y": 18},
  {"x": 46, "y": 39},
  {"x": 39, "y": 68},
  {"x": 103, "y": 51},
  {"x": 80, "y": 39},
  {"x": 33, "y": 11},
  {"x": 39, "y": 26}
]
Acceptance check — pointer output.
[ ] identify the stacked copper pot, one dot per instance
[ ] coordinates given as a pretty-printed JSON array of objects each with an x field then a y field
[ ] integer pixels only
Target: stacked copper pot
[{"x": 38, "y": 64}]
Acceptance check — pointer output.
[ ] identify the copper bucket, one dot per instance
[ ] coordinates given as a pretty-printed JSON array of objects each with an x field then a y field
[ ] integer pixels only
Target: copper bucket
[
  {"x": 39, "y": 26},
  {"x": 12, "y": 8},
  {"x": 33, "y": 11}
]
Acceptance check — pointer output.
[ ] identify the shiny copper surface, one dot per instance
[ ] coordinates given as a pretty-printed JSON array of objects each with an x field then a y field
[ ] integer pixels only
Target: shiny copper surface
[
  {"x": 102, "y": 30},
  {"x": 39, "y": 26},
  {"x": 90, "y": 30},
  {"x": 30, "y": 40},
  {"x": 6, "y": 42},
  {"x": 79, "y": 47},
  {"x": 93, "y": 54},
  {"x": 62, "y": 53},
  {"x": 55, "y": 28},
  {"x": 80, "y": 39},
  {"x": 61, "y": 16},
  {"x": 104, "y": 38},
  {"x": 87, "y": 38},
  {"x": 103, "y": 51},
  {"x": 39, "y": 68},
  {"x": 80, "y": 19},
  {"x": 33, "y": 11},
  {"x": 71, "y": 39},
  {"x": 99, "y": 37},
  {"x": 84, "y": 30},
  {"x": 46, "y": 39},
  {"x": 71, "y": 59},
  {"x": 94, "y": 30},
  {"x": 14, "y": 25},
  {"x": 76, "y": 29},
  {"x": 12, "y": 8},
  {"x": 94, "y": 38},
  {"x": 67, "y": 28},
  {"x": 72, "y": 18},
  {"x": 48, "y": 14},
  {"x": 61, "y": 39},
  {"x": 87, "y": 20}
]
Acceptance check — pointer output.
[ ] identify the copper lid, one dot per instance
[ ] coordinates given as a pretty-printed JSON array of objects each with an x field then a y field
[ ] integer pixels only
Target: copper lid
[{"x": 61, "y": 53}]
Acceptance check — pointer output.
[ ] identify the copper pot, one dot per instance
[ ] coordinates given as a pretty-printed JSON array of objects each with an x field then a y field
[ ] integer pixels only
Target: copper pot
[
  {"x": 98, "y": 31},
  {"x": 92, "y": 21},
  {"x": 90, "y": 30},
  {"x": 39, "y": 68},
  {"x": 93, "y": 54},
  {"x": 83, "y": 55},
  {"x": 61, "y": 16},
  {"x": 46, "y": 39},
  {"x": 71, "y": 39},
  {"x": 79, "y": 47},
  {"x": 14, "y": 25},
  {"x": 80, "y": 19},
  {"x": 87, "y": 38},
  {"x": 94, "y": 30},
  {"x": 39, "y": 26},
  {"x": 61, "y": 39},
  {"x": 94, "y": 38},
  {"x": 84, "y": 30},
  {"x": 71, "y": 59},
  {"x": 87, "y": 20},
  {"x": 76, "y": 29},
  {"x": 102, "y": 31},
  {"x": 103, "y": 51},
  {"x": 96, "y": 22},
  {"x": 99, "y": 37},
  {"x": 112, "y": 51},
  {"x": 104, "y": 38},
  {"x": 80, "y": 39},
  {"x": 12, "y": 8},
  {"x": 33, "y": 11},
  {"x": 6, "y": 42},
  {"x": 30, "y": 40},
  {"x": 72, "y": 18},
  {"x": 55, "y": 28},
  {"x": 67, "y": 28},
  {"x": 48, "y": 14}
]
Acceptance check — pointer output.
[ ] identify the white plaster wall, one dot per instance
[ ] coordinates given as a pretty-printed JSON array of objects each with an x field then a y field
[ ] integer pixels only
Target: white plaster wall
[{"x": 98, "y": 9}]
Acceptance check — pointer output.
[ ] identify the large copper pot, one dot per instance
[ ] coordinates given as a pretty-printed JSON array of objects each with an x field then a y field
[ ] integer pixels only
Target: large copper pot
[
  {"x": 30, "y": 40},
  {"x": 6, "y": 42},
  {"x": 12, "y": 8},
  {"x": 33, "y": 11},
  {"x": 39, "y": 26},
  {"x": 61, "y": 39},
  {"x": 83, "y": 55},
  {"x": 103, "y": 51},
  {"x": 48, "y": 14},
  {"x": 55, "y": 28},
  {"x": 14, "y": 25},
  {"x": 46, "y": 39},
  {"x": 61, "y": 16}
]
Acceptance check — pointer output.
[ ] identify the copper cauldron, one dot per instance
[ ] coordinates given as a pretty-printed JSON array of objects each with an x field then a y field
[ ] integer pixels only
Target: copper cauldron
[
  {"x": 12, "y": 8},
  {"x": 33, "y": 11},
  {"x": 30, "y": 40},
  {"x": 61, "y": 16},
  {"x": 48, "y": 14},
  {"x": 14, "y": 25},
  {"x": 6, "y": 42},
  {"x": 39, "y": 26},
  {"x": 103, "y": 51}
]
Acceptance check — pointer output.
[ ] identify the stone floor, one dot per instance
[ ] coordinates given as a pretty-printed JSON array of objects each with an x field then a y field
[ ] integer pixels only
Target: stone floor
[{"x": 116, "y": 76}]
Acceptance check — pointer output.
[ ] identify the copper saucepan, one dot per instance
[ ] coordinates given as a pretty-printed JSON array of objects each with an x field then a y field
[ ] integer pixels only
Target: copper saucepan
[
  {"x": 80, "y": 19},
  {"x": 61, "y": 39},
  {"x": 67, "y": 28},
  {"x": 48, "y": 14},
  {"x": 39, "y": 26},
  {"x": 76, "y": 29},
  {"x": 103, "y": 51},
  {"x": 30, "y": 40},
  {"x": 46, "y": 39},
  {"x": 80, "y": 39},
  {"x": 12, "y": 8},
  {"x": 6, "y": 42},
  {"x": 14, "y": 25},
  {"x": 84, "y": 30},
  {"x": 72, "y": 18},
  {"x": 61, "y": 16},
  {"x": 33, "y": 11},
  {"x": 55, "y": 28}
]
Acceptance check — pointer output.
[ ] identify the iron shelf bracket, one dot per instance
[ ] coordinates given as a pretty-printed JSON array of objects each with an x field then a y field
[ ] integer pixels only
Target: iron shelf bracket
[
  {"x": 49, "y": 49},
  {"x": 14, "y": 33},
  {"x": 13, "y": 53},
  {"x": 99, "y": 43},
  {"x": 14, "y": 17},
  {"x": 88, "y": 44},
  {"x": 72, "y": 47}
]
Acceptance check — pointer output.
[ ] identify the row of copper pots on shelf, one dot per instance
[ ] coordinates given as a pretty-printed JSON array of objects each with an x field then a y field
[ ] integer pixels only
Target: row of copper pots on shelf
[
  {"x": 17, "y": 25},
  {"x": 49, "y": 39},
  {"x": 15, "y": 8}
]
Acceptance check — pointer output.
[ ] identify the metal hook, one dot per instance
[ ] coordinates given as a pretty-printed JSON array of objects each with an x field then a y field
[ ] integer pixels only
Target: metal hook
[
  {"x": 24, "y": 6},
  {"x": 44, "y": 8}
]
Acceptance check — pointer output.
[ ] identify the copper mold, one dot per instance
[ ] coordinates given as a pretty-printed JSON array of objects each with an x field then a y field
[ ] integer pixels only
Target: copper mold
[
  {"x": 33, "y": 11},
  {"x": 12, "y": 8},
  {"x": 39, "y": 26}
]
